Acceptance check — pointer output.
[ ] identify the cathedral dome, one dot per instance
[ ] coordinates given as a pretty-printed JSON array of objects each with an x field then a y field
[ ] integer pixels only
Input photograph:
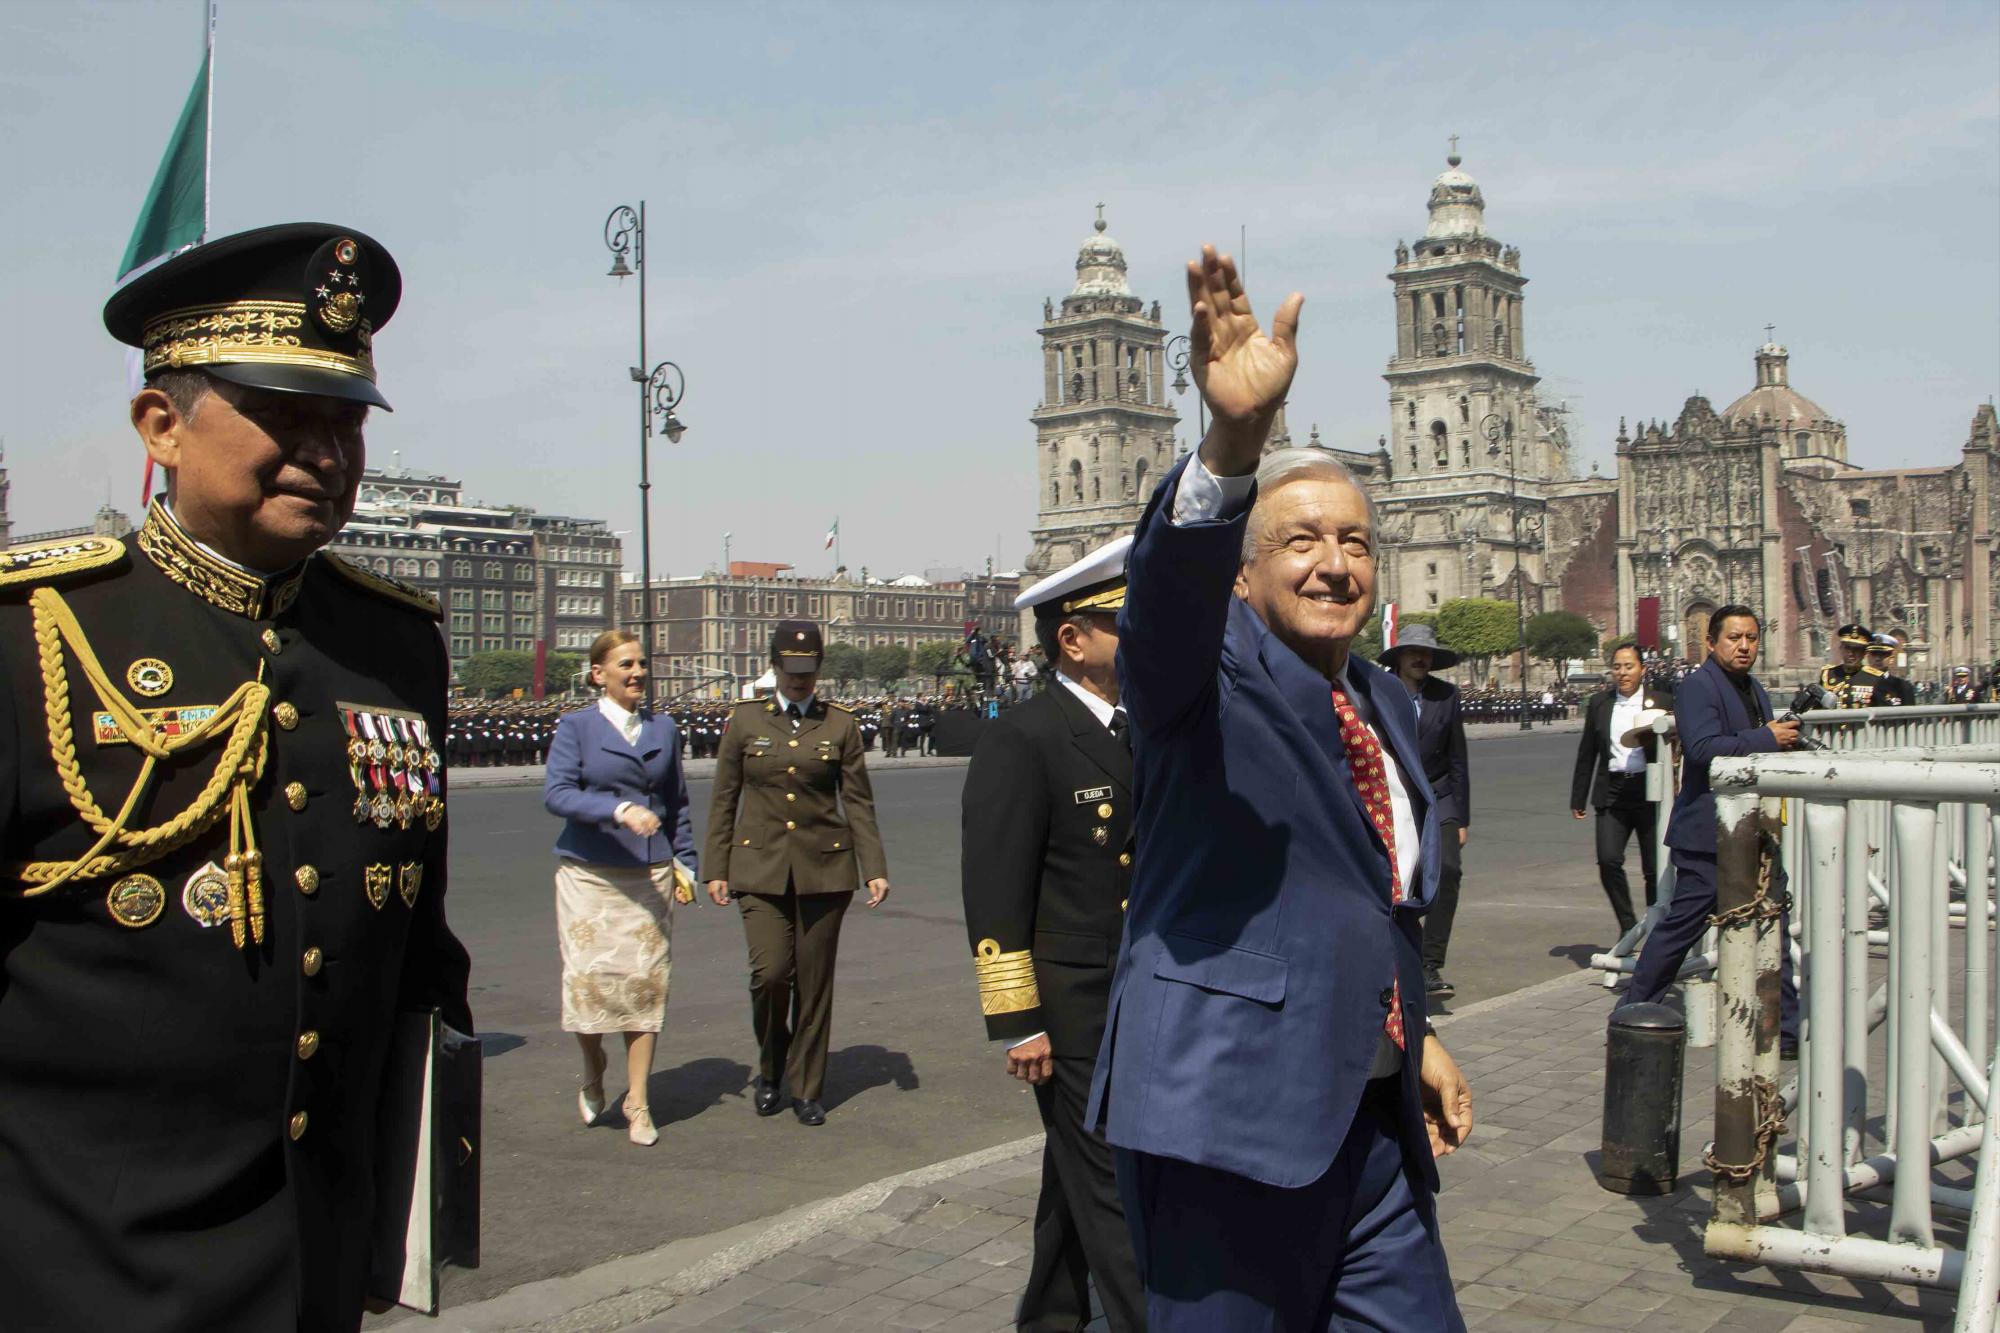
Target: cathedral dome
[
  {"x": 1100, "y": 265},
  {"x": 1457, "y": 207},
  {"x": 1774, "y": 399}
]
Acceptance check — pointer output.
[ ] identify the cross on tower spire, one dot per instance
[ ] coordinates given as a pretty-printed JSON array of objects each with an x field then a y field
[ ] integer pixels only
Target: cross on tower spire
[
  {"x": 1769, "y": 329},
  {"x": 1454, "y": 158},
  {"x": 1100, "y": 217}
]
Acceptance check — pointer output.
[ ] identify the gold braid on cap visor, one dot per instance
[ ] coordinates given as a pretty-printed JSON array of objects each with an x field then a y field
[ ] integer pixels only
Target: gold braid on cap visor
[
  {"x": 244, "y": 332},
  {"x": 1104, "y": 599}
]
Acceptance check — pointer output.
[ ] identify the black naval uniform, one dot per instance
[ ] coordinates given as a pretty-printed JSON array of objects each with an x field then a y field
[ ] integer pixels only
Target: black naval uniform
[
  {"x": 192, "y": 1067},
  {"x": 1860, "y": 686},
  {"x": 1047, "y": 865}
]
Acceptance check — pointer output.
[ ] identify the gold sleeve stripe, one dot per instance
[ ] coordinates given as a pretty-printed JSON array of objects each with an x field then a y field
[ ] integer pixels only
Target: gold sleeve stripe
[{"x": 1006, "y": 980}]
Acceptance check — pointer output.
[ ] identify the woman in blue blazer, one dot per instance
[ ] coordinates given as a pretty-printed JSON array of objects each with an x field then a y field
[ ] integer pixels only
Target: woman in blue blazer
[{"x": 625, "y": 856}]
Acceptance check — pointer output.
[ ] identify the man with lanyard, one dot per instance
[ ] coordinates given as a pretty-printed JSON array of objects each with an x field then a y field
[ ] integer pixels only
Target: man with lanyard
[{"x": 1852, "y": 680}]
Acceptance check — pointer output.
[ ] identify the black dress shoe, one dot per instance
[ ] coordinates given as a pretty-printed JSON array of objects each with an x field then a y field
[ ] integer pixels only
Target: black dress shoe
[
  {"x": 1437, "y": 988},
  {"x": 809, "y": 1113},
  {"x": 766, "y": 1098},
  {"x": 1788, "y": 1047}
]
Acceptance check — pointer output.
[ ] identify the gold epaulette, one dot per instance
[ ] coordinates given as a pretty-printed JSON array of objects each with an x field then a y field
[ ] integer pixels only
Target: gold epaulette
[
  {"x": 44, "y": 561},
  {"x": 1006, "y": 980},
  {"x": 382, "y": 585},
  {"x": 840, "y": 707}
]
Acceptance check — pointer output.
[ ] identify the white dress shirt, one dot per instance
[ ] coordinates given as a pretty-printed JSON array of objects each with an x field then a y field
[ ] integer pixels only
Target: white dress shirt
[
  {"x": 1099, "y": 709},
  {"x": 1625, "y": 710}
]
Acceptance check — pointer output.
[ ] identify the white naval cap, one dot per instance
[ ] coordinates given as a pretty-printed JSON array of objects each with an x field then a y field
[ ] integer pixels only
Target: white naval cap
[{"x": 1094, "y": 583}]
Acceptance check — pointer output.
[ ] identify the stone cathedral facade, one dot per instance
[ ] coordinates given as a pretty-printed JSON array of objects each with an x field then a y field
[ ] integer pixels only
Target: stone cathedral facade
[{"x": 1756, "y": 503}]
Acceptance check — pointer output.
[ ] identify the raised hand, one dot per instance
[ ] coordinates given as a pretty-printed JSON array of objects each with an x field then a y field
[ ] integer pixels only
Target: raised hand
[{"x": 1243, "y": 373}]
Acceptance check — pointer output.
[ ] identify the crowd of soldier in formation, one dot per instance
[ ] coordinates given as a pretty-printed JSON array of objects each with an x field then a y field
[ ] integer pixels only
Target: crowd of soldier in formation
[{"x": 509, "y": 733}]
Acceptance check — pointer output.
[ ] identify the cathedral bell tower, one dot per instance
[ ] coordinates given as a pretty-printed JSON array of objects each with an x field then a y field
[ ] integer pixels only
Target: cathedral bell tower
[
  {"x": 1104, "y": 434},
  {"x": 1461, "y": 395}
]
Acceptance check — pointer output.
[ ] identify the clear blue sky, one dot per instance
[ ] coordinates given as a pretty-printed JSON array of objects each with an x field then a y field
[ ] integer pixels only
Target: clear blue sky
[{"x": 857, "y": 210}]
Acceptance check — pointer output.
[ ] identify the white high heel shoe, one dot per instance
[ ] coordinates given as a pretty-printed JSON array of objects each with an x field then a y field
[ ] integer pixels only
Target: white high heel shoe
[
  {"x": 589, "y": 1107},
  {"x": 640, "y": 1122}
]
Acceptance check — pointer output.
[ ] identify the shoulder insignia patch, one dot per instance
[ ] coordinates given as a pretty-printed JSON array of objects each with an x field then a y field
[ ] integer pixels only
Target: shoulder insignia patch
[
  {"x": 394, "y": 590},
  {"x": 45, "y": 561}
]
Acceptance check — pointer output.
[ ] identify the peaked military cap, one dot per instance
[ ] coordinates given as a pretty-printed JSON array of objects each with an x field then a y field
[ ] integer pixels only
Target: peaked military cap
[
  {"x": 1094, "y": 583},
  {"x": 293, "y": 307},
  {"x": 1855, "y": 635},
  {"x": 1881, "y": 642},
  {"x": 796, "y": 645}
]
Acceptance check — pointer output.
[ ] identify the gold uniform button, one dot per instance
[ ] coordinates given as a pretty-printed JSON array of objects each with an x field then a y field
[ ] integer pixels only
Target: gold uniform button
[
  {"x": 308, "y": 1044},
  {"x": 1124, "y": 858},
  {"x": 295, "y": 795},
  {"x": 746, "y": 842},
  {"x": 308, "y": 878},
  {"x": 1104, "y": 811},
  {"x": 791, "y": 796},
  {"x": 287, "y": 715},
  {"x": 312, "y": 961},
  {"x": 1122, "y": 902},
  {"x": 792, "y": 770},
  {"x": 793, "y": 744},
  {"x": 297, "y": 1128},
  {"x": 270, "y": 638},
  {"x": 790, "y": 824}
]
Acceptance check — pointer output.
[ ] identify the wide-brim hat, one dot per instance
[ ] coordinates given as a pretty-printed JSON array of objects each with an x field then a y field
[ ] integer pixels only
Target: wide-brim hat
[
  {"x": 293, "y": 308},
  {"x": 1419, "y": 636}
]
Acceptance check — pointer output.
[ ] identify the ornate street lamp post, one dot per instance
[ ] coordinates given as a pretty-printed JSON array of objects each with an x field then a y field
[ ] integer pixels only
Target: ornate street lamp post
[
  {"x": 1496, "y": 431},
  {"x": 1177, "y": 357},
  {"x": 660, "y": 391}
]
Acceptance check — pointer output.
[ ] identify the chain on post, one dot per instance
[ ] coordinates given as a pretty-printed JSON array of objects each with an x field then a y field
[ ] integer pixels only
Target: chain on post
[{"x": 1770, "y": 1124}]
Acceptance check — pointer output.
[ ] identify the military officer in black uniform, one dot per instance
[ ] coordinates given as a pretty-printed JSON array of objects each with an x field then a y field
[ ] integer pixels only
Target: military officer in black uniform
[
  {"x": 222, "y": 811},
  {"x": 1895, "y": 691},
  {"x": 1852, "y": 680},
  {"x": 1046, "y": 866}
]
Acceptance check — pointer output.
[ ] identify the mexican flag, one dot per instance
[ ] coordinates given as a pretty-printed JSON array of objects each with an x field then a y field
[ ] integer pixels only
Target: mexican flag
[
  {"x": 175, "y": 214},
  {"x": 832, "y": 535}
]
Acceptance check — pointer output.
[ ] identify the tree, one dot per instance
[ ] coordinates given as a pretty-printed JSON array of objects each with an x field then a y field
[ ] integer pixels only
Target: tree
[
  {"x": 932, "y": 659},
  {"x": 1478, "y": 629},
  {"x": 487, "y": 674},
  {"x": 559, "y": 672},
  {"x": 1557, "y": 637},
  {"x": 844, "y": 664},
  {"x": 888, "y": 663},
  {"x": 1367, "y": 644}
]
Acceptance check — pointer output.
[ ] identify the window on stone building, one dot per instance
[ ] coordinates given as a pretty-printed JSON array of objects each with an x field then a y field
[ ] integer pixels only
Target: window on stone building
[
  {"x": 1858, "y": 508},
  {"x": 1431, "y": 568},
  {"x": 1055, "y": 491},
  {"x": 1440, "y": 345},
  {"x": 461, "y": 569},
  {"x": 1414, "y": 465},
  {"x": 1096, "y": 487},
  {"x": 1139, "y": 477},
  {"x": 1433, "y": 596},
  {"x": 1076, "y": 481}
]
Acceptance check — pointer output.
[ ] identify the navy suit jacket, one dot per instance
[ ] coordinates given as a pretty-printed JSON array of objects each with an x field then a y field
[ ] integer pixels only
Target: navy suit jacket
[
  {"x": 591, "y": 770},
  {"x": 1713, "y": 724},
  {"x": 1260, "y": 944}
]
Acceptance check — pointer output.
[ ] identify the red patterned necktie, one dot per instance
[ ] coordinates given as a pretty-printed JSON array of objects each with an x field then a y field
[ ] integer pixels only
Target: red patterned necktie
[{"x": 1371, "y": 779}]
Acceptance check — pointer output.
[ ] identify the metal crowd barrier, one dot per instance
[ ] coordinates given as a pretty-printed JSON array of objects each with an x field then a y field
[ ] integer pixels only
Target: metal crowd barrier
[
  {"x": 1910, "y": 733},
  {"x": 1906, "y": 829}
]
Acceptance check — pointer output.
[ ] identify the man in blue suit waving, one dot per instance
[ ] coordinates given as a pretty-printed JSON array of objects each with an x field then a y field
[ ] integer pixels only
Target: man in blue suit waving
[{"x": 1268, "y": 1077}]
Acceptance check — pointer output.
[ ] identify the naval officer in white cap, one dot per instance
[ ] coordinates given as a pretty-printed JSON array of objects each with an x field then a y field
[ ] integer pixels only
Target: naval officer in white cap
[{"x": 1047, "y": 867}]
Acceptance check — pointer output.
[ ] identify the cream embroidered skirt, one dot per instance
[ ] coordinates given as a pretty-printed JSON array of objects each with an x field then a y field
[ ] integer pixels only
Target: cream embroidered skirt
[{"x": 616, "y": 925}]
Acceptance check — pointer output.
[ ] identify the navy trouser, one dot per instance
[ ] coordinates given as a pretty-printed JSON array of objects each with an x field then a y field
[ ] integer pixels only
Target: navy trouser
[
  {"x": 1358, "y": 1249},
  {"x": 1681, "y": 929}
]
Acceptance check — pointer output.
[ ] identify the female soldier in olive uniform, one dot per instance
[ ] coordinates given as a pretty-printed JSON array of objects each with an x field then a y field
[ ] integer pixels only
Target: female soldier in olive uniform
[{"x": 791, "y": 857}]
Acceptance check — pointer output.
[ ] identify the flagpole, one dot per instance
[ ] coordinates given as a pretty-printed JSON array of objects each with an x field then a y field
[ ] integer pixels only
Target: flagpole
[{"x": 208, "y": 129}]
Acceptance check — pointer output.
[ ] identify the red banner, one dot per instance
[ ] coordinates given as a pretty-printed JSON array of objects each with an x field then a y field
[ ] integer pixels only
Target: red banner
[{"x": 1649, "y": 624}]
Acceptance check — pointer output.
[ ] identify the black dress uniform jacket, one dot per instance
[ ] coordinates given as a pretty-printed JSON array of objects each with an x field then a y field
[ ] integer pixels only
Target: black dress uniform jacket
[
  {"x": 186, "y": 1125},
  {"x": 1047, "y": 866}
]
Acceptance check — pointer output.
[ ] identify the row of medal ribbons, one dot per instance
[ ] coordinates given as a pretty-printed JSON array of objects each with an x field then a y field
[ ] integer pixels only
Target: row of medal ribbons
[{"x": 395, "y": 769}]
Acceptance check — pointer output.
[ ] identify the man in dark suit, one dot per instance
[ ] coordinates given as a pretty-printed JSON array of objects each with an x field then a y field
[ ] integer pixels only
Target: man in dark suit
[
  {"x": 1441, "y": 742},
  {"x": 1721, "y": 710},
  {"x": 1268, "y": 1077},
  {"x": 1611, "y": 777},
  {"x": 1047, "y": 865},
  {"x": 1895, "y": 691}
]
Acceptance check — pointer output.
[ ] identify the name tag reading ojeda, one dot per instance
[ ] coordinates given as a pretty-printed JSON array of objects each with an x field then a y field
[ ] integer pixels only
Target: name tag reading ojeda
[{"x": 1092, "y": 794}]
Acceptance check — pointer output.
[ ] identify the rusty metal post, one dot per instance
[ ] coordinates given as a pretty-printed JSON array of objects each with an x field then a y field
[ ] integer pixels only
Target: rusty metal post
[{"x": 1748, "y": 1019}]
